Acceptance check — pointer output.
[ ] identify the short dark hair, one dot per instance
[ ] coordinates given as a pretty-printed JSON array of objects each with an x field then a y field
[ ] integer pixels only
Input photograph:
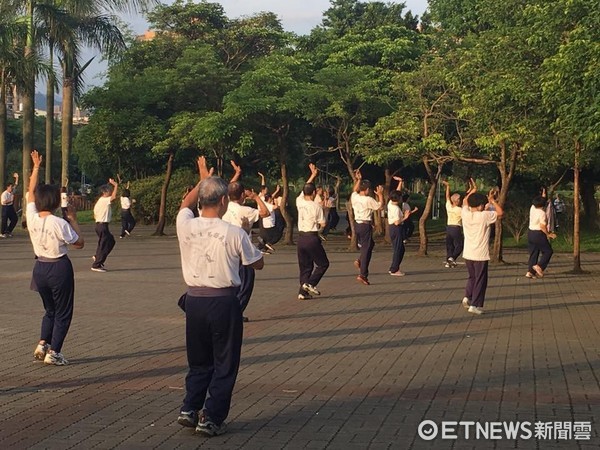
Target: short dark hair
[
  {"x": 47, "y": 197},
  {"x": 364, "y": 185},
  {"x": 268, "y": 197},
  {"x": 63, "y": 189},
  {"x": 235, "y": 191},
  {"x": 476, "y": 200},
  {"x": 126, "y": 193},
  {"x": 539, "y": 201},
  {"x": 9, "y": 184},
  {"x": 395, "y": 196},
  {"x": 105, "y": 189},
  {"x": 309, "y": 189}
]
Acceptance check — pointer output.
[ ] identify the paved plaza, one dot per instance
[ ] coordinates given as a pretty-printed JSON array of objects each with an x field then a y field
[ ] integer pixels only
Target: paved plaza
[{"x": 360, "y": 367}]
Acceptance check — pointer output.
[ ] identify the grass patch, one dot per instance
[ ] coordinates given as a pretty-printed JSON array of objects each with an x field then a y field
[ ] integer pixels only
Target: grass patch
[{"x": 590, "y": 242}]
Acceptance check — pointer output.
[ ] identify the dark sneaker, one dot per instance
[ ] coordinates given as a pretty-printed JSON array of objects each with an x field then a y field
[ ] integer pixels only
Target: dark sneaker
[
  {"x": 363, "y": 280},
  {"x": 208, "y": 428},
  {"x": 40, "y": 351},
  {"x": 311, "y": 289},
  {"x": 55, "y": 359},
  {"x": 245, "y": 319},
  {"x": 188, "y": 419}
]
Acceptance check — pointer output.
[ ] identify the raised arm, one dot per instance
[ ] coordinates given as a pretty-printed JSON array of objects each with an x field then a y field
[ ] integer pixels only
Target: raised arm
[
  {"x": 472, "y": 189},
  {"x": 358, "y": 177},
  {"x": 400, "y": 183},
  {"x": 313, "y": 173},
  {"x": 445, "y": 183},
  {"x": 203, "y": 169},
  {"x": 497, "y": 207},
  {"x": 237, "y": 172},
  {"x": 262, "y": 208},
  {"x": 263, "y": 181},
  {"x": 379, "y": 194},
  {"x": 115, "y": 185},
  {"x": 36, "y": 158}
]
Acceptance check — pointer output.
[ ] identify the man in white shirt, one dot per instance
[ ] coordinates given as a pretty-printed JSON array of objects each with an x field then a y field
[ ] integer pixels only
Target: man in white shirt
[
  {"x": 103, "y": 216},
  {"x": 537, "y": 237},
  {"x": 9, "y": 215},
  {"x": 364, "y": 205},
  {"x": 454, "y": 234},
  {"x": 211, "y": 253},
  {"x": 396, "y": 231},
  {"x": 476, "y": 222},
  {"x": 244, "y": 217},
  {"x": 312, "y": 259}
]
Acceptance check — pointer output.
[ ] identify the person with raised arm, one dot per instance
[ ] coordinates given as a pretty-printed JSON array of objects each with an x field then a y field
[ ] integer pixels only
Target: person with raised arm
[
  {"x": 9, "y": 215},
  {"x": 395, "y": 219},
  {"x": 211, "y": 253},
  {"x": 538, "y": 236},
  {"x": 454, "y": 234},
  {"x": 364, "y": 206},
  {"x": 312, "y": 259},
  {"x": 476, "y": 222},
  {"x": 103, "y": 216},
  {"x": 53, "y": 276}
]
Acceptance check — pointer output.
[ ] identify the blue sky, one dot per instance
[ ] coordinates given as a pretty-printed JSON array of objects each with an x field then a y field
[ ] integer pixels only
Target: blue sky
[{"x": 299, "y": 16}]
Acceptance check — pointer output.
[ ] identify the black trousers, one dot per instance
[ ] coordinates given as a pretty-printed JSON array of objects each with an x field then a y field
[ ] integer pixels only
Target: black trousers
[
  {"x": 270, "y": 236},
  {"x": 397, "y": 237},
  {"x": 333, "y": 219},
  {"x": 409, "y": 228},
  {"x": 127, "y": 221},
  {"x": 9, "y": 219},
  {"x": 213, "y": 334},
  {"x": 538, "y": 243},
  {"x": 106, "y": 242},
  {"x": 454, "y": 241},
  {"x": 312, "y": 259},
  {"x": 247, "y": 276},
  {"x": 364, "y": 236},
  {"x": 55, "y": 283},
  {"x": 477, "y": 282}
]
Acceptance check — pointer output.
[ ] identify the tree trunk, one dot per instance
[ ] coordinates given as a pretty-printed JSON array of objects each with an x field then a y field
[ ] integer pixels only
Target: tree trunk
[
  {"x": 3, "y": 122},
  {"x": 386, "y": 196},
  {"x": 433, "y": 180},
  {"x": 50, "y": 121},
  {"x": 576, "y": 210},
  {"x": 289, "y": 223},
  {"x": 162, "y": 210},
  {"x": 506, "y": 178},
  {"x": 590, "y": 206},
  {"x": 67, "y": 126},
  {"x": 28, "y": 113}
]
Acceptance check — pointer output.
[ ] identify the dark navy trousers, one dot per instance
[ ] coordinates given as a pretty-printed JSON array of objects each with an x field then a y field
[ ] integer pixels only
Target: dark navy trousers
[
  {"x": 213, "y": 331},
  {"x": 397, "y": 238},
  {"x": 538, "y": 243},
  {"x": 55, "y": 283},
  {"x": 127, "y": 221},
  {"x": 454, "y": 241},
  {"x": 106, "y": 242},
  {"x": 9, "y": 218},
  {"x": 247, "y": 276},
  {"x": 312, "y": 259},
  {"x": 477, "y": 282},
  {"x": 364, "y": 236}
]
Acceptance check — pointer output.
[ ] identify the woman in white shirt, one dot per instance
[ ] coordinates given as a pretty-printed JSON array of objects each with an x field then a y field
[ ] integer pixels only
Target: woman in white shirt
[
  {"x": 537, "y": 237},
  {"x": 127, "y": 219},
  {"x": 53, "y": 272}
]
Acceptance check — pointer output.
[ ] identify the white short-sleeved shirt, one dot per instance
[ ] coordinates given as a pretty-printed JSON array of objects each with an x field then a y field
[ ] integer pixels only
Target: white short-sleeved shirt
[
  {"x": 454, "y": 213},
  {"x": 394, "y": 213},
  {"x": 310, "y": 215},
  {"x": 7, "y": 198},
  {"x": 64, "y": 200},
  {"x": 279, "y": 201},
  {"x": 319, "y": 200},
  {"x": 102, "y": 210},
  {"x": 330, "y": 202},
  {"x": 363, "y": 206},
  {"x": 236, "y": 212},
  {"x": 49, "y": 235},
  {"x": 537, "y": 217},
  {"x": 269, "y": 222},
  {"x": 476, "y": 229},
  {"x": 125, "y": 203},
  {"x": 211, "y": 251}
]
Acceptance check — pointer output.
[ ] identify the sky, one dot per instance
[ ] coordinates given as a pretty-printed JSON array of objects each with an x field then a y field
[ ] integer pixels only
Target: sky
[{"x": 299, "y": 16}]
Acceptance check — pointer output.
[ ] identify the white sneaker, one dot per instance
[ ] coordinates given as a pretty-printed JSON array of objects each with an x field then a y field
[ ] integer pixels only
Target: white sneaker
[
  {"x": 447, "y": 265},
  {"x": 304, "y": 296},
  {"x": 397, "y": 274},
  {"x": 311, "y": 289},
  {"x": 538, "y": 270},
  {"x": 466, "y": 303},
  {"x": 475, "y": 310},
  {"x": 98, "y": 269},
  {"x": 55, "y": 359}
]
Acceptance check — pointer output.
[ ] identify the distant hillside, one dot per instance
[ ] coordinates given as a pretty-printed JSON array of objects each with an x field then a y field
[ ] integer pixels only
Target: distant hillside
[{"x": 40, "y": 101}]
